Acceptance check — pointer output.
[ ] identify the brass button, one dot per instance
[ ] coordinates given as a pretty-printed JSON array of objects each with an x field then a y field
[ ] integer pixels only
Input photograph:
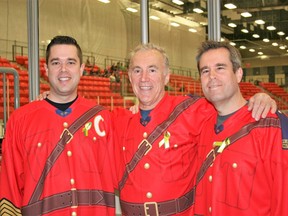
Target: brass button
[
  {"x": 234, "y": 165},
  {"x": 72, "y": 181},
  {"x": 146, "y": 165},
  {"x": 210, "y": 178},
  {"x": 145, "y": 135},
  {"x": 39, "y": 144},
  {"x": 149, "y": 195},
  {"x": 65, "y": 124},
  {"x": 69, "y": 153}
]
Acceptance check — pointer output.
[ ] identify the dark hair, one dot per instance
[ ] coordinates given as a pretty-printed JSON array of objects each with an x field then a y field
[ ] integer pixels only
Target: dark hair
[
  {"x": 63, "y": 40},
  {"x": 235, "y": 56}
]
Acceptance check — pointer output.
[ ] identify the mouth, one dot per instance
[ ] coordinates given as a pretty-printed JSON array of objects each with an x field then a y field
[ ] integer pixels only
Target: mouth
[
  {"x": 145, "y": 88},
  {"x": 64, "y": 78},
  {"x": 214, "y": 86}
]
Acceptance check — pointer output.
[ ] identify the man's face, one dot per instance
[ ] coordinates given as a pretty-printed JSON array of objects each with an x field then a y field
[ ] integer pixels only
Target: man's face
[
  {"x": 219, "y": 82},
  {"x": 148, "y": 76},
  {"x": 64, "y": 71}
]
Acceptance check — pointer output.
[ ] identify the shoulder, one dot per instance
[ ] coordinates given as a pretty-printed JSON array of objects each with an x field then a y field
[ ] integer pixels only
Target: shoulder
[{"x": 284, "y": 124}]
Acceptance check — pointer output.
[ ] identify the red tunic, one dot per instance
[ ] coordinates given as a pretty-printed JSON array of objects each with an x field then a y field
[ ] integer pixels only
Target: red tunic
[
  {"x": 85, "y": 164},
  {"x": 168, "y": 171},
  {"x": 250, "y": 176}
]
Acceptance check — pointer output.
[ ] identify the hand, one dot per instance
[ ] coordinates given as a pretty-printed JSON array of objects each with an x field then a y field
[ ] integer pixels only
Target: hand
[
  {"x": 261, "y": 104},
  {"x": 42, "y": 96},
  {"x": 134, "y": 109}
]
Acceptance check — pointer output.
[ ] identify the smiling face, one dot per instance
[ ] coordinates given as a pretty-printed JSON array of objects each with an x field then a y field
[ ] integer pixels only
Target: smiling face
[
  {"x": 64, "y": 71},
  {"x": 219, "y": 81},
  {"x": 148, "y": 75}
]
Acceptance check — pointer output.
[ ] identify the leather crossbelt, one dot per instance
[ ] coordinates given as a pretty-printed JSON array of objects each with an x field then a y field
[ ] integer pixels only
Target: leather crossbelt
[
  {"x": 267, "y": 122},
  {"x": 71, "y": 198},
  {"x": 66, "y": 137},
  {"x": 169, "y": 207},
  {"x": 146, "y": 145}
]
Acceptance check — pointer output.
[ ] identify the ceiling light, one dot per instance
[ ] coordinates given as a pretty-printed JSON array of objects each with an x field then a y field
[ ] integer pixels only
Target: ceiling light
[
  {"x": 286, "y": 38},
  {"x": 154, "y": 17},
  {"x": 244, "y": 30},
  {"x": 246, "y": 14},
  {"x": 104, "y": 1},
  {"x": 271, "y": 28},
  {"x": 230, "y": 6},
  {"x": 192, "y": 30},
  {"x": 133, "y": 10},
  {"x": 256, "y": 36},
  {"x": 174, "y": 24},
  {"x": 232, "y": 43},
  {"x": 252, "y": 50},
  {"x": 260, "y": 22},
  {"x": 242, "y": 47},
  {"x": 282, "y": 47},
  {"x": 232, "y": 25},
  {"x": 266, "y": 40},
  {"x": 281, "y": 33},
  {"x": 260, "y": 53},
  {"x": 274, "y": 44},
  {"x": 198, "y": 10},
  {"x": 178, "y": 2}
]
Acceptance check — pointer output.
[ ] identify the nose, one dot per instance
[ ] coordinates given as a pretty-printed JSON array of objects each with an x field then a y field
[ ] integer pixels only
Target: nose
[
  {"x": 212, "y": 74},
  {"x": 63, "y": 66},
  {"x": 145, "y": 76}
]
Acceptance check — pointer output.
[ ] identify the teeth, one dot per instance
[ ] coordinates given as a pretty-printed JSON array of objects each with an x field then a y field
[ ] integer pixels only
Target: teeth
[
  {"x": 63, "y": 78},
  {"x": 145, "y": 87}
]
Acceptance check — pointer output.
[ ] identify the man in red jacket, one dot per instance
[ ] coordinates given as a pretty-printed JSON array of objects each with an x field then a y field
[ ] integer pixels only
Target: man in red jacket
[
  {"x": 42, "y": 176},
  {"x": 243, "y": 162}
]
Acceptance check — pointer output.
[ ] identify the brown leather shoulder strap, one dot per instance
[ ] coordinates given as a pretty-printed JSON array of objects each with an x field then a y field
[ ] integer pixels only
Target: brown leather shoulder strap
[
  {"x": 146, "y": 144},
  {"x": 66, "y": 137},
  {"x": 262, "y": 123}
]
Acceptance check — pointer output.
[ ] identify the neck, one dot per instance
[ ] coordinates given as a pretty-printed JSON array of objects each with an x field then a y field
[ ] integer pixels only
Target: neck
[{"x": 231, "y": 106}]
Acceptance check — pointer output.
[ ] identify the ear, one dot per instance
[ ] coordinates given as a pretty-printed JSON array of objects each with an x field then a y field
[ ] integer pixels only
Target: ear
[
  {"x": 129, "y": 75},
  {"x": 167, "y": 78},
  {"x": 82, "y": 67},
  {"x": 239, "y": 74},
  {"x": 46, "y": 69}
]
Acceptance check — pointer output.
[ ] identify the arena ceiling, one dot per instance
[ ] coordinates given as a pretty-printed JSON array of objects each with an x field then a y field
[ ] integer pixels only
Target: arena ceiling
[{"x": 272, "y": 12}]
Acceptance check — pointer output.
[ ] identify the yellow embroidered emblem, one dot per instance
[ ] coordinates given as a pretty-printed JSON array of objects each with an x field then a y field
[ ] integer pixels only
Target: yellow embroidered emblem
[
  {"x": 285, "y": 144},
  {"x": 7, "y": 208},
  {"x": 165, "y": 140},
  {"x": 87, "y": 127}
]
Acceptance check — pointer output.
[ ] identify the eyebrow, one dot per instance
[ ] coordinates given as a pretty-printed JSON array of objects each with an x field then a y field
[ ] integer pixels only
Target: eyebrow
[{"x": 58, "y": 59}]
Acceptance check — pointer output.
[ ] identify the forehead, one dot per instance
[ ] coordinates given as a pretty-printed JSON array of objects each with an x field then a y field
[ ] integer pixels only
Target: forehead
[
  {"x": 63, "y": 51},
  {"x": 147, "y": 57},
  {"x": 219, "y": 55}
]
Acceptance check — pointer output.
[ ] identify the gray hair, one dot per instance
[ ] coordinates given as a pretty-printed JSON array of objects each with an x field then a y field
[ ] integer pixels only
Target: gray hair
[{"x": 147, "y": 47}]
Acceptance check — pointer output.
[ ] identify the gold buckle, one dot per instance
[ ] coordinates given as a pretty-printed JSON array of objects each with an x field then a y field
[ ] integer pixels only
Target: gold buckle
[
  {"x": 74, "y": 198},
  {"x": 146, "y": 208},
  {"x": 71, "y": 135},
  {"x": 146, "y": 143}
]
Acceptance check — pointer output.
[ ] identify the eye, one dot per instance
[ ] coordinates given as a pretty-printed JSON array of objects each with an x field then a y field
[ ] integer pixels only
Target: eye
[
  {"x": 220, "y": 67},
  {"x": 136, "y": 70},
  {"x": 71, "y": 62},
  {"x": 55, "y": 63},
  {"x": 204, "y": 71}
]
